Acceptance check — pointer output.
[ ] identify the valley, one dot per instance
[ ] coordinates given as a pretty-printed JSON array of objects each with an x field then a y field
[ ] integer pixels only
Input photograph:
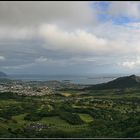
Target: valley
[{"x": 70, "y": 112}]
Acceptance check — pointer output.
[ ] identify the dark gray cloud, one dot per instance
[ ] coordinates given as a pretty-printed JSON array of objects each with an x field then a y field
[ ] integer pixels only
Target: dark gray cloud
[{"x": 35, "y": 13}]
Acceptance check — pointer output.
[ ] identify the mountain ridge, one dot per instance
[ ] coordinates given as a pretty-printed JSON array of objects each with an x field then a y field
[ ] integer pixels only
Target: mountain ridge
[{"x": 121, "y": 82}]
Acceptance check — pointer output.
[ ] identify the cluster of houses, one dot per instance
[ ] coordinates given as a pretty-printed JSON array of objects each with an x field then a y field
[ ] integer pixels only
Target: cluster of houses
[
  {"x": 38, "y": 126},
  {"x": 26, "y": 90}
]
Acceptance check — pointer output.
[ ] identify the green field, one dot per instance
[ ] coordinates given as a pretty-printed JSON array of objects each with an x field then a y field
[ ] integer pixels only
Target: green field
[
  {"x": 93, "y": 114},
  {"x": 86, "y": 117}
]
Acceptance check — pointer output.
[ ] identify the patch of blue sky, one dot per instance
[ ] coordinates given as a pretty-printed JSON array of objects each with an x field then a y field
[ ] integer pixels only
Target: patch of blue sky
[
  {"x": 117, "y": 20},
  {"x": 102, "y": 5},
  {"x": 123, "y": 20},
  {"x": 104, "y": 16},
  {"x": 101, "y": 9}
]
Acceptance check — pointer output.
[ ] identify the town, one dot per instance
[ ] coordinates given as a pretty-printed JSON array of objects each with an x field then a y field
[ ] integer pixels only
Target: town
[{"x": 35, "y": 88}]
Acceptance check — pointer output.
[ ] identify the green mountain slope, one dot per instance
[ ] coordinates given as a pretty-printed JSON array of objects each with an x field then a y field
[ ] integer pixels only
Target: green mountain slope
[{"x": 121, "y": 82}]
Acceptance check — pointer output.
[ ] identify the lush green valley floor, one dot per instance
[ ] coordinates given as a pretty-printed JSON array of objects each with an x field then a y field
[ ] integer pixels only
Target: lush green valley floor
[{"x": 69, "y": 113}]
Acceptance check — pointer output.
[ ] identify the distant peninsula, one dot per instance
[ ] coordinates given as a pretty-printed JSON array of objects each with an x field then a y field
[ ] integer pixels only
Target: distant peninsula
[{"x": 3, "y": 75}]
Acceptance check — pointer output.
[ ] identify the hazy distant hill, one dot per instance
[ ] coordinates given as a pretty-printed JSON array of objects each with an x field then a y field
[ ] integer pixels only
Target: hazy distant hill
[
  {"x": 3, "y": 75},
  {"x": 121, "y": 82}
]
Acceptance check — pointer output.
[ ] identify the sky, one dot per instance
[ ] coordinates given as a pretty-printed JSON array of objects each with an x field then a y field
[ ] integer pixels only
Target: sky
[{"x": 69, "y": 37}]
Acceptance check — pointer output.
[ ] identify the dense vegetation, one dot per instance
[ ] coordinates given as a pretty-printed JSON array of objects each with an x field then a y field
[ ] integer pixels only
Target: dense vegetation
[
  {"x": 110, "y": 113},
  {"x": 121, "y": 82}
]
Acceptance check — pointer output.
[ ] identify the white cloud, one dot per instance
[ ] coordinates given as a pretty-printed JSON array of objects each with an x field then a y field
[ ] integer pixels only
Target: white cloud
[
  {"x": 109, "y": 39},
  {"x": 130, "y": 64},
  {"x": 2, "y": 58},
  {"x": 75, "y": 41},
  {"x": 41, "y": 59},
  {"x": 81, "y": 45}
]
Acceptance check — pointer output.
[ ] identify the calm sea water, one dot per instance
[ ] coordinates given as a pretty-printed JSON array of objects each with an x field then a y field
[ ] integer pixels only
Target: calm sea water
[{"x": 72, "y": 79}]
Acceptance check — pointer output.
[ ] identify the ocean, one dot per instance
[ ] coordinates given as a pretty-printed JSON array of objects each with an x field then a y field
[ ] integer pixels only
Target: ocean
[{"x": 95, "y": 79}]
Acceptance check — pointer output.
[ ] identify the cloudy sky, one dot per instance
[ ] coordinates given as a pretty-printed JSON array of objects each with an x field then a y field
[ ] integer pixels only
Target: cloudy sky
[{"x": 69, "y": 37}]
